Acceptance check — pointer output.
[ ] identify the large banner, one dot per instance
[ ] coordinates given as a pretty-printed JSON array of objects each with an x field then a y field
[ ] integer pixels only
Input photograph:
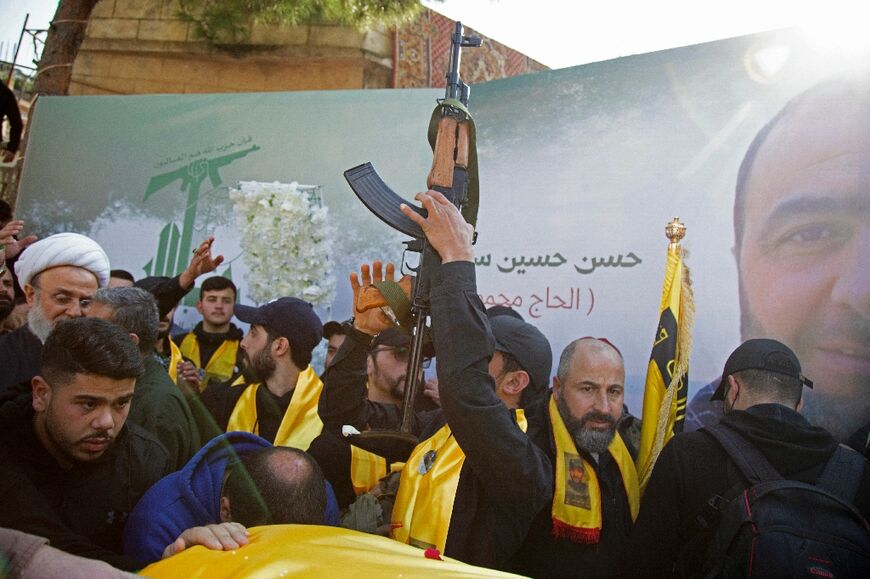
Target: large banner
[{"x": 580, "y": 171}]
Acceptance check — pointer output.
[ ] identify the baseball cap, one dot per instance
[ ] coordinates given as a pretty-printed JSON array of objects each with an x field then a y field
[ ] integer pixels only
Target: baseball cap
[
  {"x": 392, "y": 337},
  {"x": 291, "y": 318},
  {"x": 761, "y": 354},
  {"x": 528, "y": 345}
]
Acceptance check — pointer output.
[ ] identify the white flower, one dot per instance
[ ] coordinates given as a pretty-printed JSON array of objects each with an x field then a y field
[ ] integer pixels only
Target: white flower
[{"x": 287, "y": 241}]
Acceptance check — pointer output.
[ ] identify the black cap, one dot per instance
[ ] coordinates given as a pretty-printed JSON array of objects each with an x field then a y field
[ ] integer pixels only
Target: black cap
[
  {"x": 528, "y": 345},
  {"x": 391, "y": 337},
  {"x": 761, "y": 354},
  {"x": 496, "y": 311},
  {"x": 291, "y": 318}
]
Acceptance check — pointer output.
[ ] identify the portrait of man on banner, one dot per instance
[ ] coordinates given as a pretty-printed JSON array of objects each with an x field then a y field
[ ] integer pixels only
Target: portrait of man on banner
[{"x": 802, "y": 245}]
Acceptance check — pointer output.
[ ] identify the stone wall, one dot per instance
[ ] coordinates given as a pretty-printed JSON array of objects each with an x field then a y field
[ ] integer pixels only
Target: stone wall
[{"x": 142, "y": 46}]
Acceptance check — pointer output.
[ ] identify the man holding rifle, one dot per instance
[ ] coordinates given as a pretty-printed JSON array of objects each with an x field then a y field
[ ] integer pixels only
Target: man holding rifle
[
  {"x": 472, "y": 487},
  {"x": 480, "y": 486}
]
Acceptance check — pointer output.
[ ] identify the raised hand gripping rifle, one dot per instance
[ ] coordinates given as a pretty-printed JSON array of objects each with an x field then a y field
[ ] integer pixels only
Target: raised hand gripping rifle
[{"x": 453, "y": 173}]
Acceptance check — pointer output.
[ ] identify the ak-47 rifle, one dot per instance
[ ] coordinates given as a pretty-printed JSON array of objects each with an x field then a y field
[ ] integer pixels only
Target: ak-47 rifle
[{"x": 453, "y": 173}]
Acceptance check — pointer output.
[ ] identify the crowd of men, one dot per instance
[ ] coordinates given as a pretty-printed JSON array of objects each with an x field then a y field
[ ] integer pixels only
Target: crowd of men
[{"x": 123, "y": 444}]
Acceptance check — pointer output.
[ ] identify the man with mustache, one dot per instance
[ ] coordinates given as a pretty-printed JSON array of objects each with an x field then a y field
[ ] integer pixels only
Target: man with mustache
[
  {"x": 73, "y": 468},
  {"x": 7, "y": 294},
  {"x": 802, "y": 245},
  {"x": 279, "y": 390},
  {"x": 59, "y": 275},
  {"x": 596, "y": 496},
  {"x": 386, "y": 367}
]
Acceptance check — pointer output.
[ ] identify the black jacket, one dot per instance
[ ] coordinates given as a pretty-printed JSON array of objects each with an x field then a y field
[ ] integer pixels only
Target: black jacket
[
  {"x": 693, "y": 467},
  {"x": 20, "y": 358},
  {"x": 506, "y": 479},
  {"x": 81, "y": 510},
  {"x": 543, "y": 555},
  {"x": 159, "y": 407}
]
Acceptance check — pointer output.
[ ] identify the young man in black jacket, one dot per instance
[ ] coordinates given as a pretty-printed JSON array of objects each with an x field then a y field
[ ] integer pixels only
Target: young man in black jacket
[
  {"x": 72, "y": 468},
  {"x": 761, "y": 389}
]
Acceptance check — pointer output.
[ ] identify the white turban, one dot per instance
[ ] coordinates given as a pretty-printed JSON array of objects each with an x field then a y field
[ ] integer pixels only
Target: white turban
[{"x": 63, "y": 249}]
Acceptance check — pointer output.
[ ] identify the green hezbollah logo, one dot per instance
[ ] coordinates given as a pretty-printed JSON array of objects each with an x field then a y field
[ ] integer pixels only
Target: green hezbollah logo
[{"x": 175, "y": 247}]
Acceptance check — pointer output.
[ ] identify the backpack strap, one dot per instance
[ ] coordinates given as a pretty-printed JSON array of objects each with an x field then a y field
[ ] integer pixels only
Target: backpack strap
[
  {"x": 843, "y": 473},
  {"x": 751, "y": 462}
]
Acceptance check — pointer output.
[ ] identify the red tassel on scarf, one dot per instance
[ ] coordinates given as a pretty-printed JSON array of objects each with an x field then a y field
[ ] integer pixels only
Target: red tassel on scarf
[{"x": 562, "y": 530}]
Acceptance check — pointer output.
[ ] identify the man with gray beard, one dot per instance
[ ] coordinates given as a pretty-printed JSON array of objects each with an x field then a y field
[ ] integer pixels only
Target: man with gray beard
[
  {"x": 596, "y": 492},
  {"x": 59, "y": 275}
]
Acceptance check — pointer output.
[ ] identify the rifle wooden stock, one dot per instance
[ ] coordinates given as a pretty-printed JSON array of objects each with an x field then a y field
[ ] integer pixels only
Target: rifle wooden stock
[
  {"x": 463, "y": 140},
  {"x": 451, "y": 156},
  {"x": 441, "y": 174}
]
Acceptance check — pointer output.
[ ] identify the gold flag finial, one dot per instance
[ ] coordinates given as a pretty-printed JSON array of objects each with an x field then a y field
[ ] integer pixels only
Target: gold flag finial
[{"x": 675, "y": 232}]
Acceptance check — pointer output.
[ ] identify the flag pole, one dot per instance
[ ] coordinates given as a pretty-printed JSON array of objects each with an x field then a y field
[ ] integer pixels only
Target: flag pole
[{"x": 665, "y": 390}]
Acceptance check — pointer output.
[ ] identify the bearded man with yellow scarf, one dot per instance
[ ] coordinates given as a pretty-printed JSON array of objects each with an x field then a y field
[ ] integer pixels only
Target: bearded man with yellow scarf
[
  {"x": 596, "y": 497},
  {"x": 547, "y": 491},
  {"x": 278, "y": 394}
]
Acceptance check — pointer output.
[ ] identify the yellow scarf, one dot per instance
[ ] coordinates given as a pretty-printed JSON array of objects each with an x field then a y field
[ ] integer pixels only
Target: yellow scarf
[
  {"x": 577, "y": 500},
  {"x": 301, "y": 423},
  {"x": 367, "y": 469},
  {"x": 427, "y": 489},
  {"x": 174, "y": 359},
  {"x": 220, "y": 366}
]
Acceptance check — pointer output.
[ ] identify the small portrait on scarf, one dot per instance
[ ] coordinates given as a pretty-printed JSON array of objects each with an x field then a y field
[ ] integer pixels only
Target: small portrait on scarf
[{"x": 577, "y": 484}]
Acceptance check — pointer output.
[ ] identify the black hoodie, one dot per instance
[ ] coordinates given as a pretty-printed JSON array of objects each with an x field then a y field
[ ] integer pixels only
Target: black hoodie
[
  {"x": 693, "y": 467},
  {"x": 81, "y": 510}
]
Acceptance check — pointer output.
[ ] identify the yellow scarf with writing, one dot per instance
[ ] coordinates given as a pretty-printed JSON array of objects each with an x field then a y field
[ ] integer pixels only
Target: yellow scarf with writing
[
  {"x": 301, "y": 423},
  {"x": 427, "y": 490},
  {"x": 577, "y": 500},
  {"x": 222, "y": 363}
]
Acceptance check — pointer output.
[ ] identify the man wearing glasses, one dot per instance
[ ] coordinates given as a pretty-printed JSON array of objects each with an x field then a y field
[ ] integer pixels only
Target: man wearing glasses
[
  {"x": 59, "y": 275},
  {"x": 387, "y": 366}
]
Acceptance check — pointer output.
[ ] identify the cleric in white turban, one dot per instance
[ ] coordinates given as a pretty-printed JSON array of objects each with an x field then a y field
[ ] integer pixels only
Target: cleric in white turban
[
  {"x": 59, "y": 276},
  {"x": 70, "y": 249}
]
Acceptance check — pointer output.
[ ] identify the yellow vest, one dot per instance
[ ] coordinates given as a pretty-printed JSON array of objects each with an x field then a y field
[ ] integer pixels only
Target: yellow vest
[
  {"x": 301, "y": 423},
  {"x": 220, "y": 366},
  {"x": 427, "y": 490}
]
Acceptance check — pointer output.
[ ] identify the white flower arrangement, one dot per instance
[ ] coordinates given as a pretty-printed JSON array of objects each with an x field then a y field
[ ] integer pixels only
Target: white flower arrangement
[{"x": 287, "y": 240}]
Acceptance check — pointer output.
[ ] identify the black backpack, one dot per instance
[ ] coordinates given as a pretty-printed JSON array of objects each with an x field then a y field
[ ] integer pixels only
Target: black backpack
[{"x": 784, "y": 528}]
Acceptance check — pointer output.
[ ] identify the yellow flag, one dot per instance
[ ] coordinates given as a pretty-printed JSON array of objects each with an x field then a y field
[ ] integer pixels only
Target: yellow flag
[{"x": 667, "y": 377}]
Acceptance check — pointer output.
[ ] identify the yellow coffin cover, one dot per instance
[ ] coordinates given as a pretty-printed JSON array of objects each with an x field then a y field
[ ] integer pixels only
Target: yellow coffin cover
[{"x": 312, "y": 551}]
